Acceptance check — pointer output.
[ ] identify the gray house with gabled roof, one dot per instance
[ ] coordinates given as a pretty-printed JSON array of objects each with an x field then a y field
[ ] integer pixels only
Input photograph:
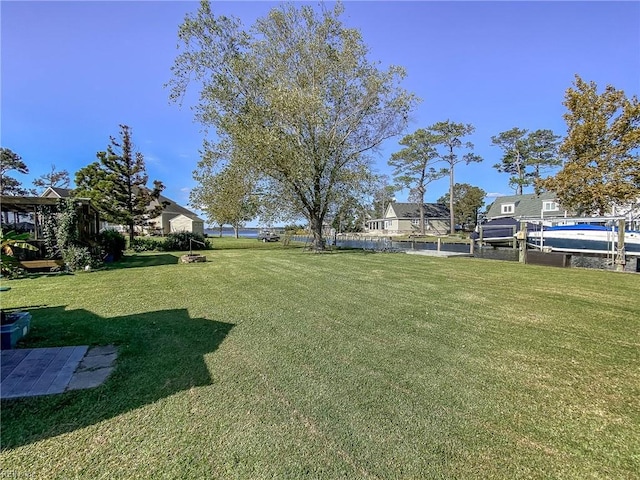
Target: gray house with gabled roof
[
  {"x": 404, "y": 219},
  {"x": 175, "y": 218},
  {"x": 528, "y": 206}
]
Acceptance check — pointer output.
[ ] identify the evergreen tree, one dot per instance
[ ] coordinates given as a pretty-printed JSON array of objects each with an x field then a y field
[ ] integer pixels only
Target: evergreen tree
[
  {"x": 449, "y": 135},
  {"x": 526, "y": 155},
  {"x": 11, "y": 161},
  {"x": 515, "y": 151},
  {"x": 117, "y": 184},
  {"x": 543, "y": 153},
  {"x": 413, "y": 166}
]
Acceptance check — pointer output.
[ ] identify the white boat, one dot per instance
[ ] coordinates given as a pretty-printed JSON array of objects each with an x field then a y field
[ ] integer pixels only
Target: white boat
[{"x": 584, "y": 238}]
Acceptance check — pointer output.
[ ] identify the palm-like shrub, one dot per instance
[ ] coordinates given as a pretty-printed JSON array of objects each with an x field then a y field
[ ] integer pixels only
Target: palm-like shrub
[{"x": 10, "y": 241}]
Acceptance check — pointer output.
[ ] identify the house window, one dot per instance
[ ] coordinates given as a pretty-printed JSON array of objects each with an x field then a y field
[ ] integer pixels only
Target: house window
[
  {"x": 550, "y": 206},
  {"x": 387, "y": 224},
  {"x": 507, "y": 208},
  {"x": 415, "y": 221}
]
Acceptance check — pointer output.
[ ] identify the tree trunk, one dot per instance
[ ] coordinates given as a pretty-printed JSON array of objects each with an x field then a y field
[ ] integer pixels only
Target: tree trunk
[
  {"x": 317, "y": 244},
  {"x": 220, "y": 231},
  {"x": 421, "y": 207},
  {"x": 520, "y": 174},
  {"x": 452, "y": 226},
  {"x": 235, "y": 231},
  {"x": 131, "y": 235}
]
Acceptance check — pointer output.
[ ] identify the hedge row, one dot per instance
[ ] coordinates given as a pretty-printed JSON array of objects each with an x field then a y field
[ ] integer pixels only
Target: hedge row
[{"x": 173, "y": 242}]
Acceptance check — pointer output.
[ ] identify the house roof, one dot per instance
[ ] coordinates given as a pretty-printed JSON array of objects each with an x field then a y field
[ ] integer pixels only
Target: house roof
[
  {"x": 527, "y": 205},
  {"x": 26, "y": 204},
  {"x": 172, "y": 209},
  {"x": 412, "y": 210},
  {"x": 56, "y": 192}
]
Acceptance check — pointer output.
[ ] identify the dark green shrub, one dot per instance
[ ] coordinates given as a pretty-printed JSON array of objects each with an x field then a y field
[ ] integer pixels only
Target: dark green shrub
[
  {"x": 112, "y": 244},
  {"x": 145, "y": 244},
  {"x": 78, "y": 258},
  {"x": 179, "y": 242}
]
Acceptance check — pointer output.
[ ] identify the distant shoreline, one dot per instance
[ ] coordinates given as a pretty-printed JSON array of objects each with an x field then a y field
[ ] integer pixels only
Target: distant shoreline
[{"x": 247, "y": 232}]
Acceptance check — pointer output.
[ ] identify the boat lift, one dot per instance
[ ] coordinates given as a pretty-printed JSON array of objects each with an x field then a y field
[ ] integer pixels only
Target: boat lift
[{"x": 617, "y": 224}]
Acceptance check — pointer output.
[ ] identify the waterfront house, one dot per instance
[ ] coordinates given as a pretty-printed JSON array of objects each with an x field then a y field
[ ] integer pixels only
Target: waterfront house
[
  {"x": 526, "y": 207},
  {"x": 404, "y": 219}
]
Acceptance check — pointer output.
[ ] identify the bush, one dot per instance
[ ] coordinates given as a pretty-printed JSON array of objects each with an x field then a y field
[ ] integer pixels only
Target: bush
[
  {"x": 179, "y": 242},
  {"x": 77, "y": 258},
  {"x": 143, "y": 244},
  {"x": 112, "y": 243}
]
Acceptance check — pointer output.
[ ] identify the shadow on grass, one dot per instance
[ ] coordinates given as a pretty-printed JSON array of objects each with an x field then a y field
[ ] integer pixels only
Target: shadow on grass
[
  {"x": 159, "y": 354},
  {"x": 145, "y": 260}
]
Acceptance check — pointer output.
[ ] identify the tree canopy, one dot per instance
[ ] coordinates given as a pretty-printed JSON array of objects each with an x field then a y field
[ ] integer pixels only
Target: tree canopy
[
  {"x": 602, "y": 166},
  {"x": 226, "y": 195},
  {"x": 384, "y": 192},
  {"x": 54, "y": 178},
  {"x": 467, "y": 202},
  {"x": 449, "y": 135},
  {"x": 297, "y": 99},
  {"x": 542, "y": 153},
  {"x": 413, "y": 166},
  {"x": 514, "y": 147},
  {"x": 9, "y": 161},
  {"x": 526, "y": 155},
  {"x": 117, "y": 184}
]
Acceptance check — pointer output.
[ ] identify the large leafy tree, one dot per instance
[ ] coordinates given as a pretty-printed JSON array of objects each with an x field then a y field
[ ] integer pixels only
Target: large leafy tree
[
  {"x": 449, "y": 135},
  {"x": 350, "y": 216},
  {"x": 297, "y": 97},
  {"x": 227, "y": 195},
  {"x": 9, "y": 161},
  {"x": 467, "y": 202},
  {"x": 54, "y": 178},
  {"x": 601, "y": 150},
  {"x": 384, "y": 192},
  {"x": 413, "y": 166},
  {"x": 117, "y": 184}
]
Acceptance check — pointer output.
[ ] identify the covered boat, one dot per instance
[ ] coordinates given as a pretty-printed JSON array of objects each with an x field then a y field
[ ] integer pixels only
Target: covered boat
[{"x": 585, "y": 238}]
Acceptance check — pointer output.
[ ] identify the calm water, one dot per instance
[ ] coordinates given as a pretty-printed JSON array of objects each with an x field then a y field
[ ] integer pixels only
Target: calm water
[{"x": 228, "y": 232}]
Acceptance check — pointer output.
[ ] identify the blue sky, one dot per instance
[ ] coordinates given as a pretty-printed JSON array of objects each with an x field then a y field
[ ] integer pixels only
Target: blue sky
[{"x": 71, "y": 72}]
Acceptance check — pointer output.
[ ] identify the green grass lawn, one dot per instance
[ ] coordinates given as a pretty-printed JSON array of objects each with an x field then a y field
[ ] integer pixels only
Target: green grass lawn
[{"x": 272, "y": 362}]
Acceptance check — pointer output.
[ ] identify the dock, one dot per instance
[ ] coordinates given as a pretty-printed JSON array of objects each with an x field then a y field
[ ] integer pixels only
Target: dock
[{"x": 436, "y": 253}]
